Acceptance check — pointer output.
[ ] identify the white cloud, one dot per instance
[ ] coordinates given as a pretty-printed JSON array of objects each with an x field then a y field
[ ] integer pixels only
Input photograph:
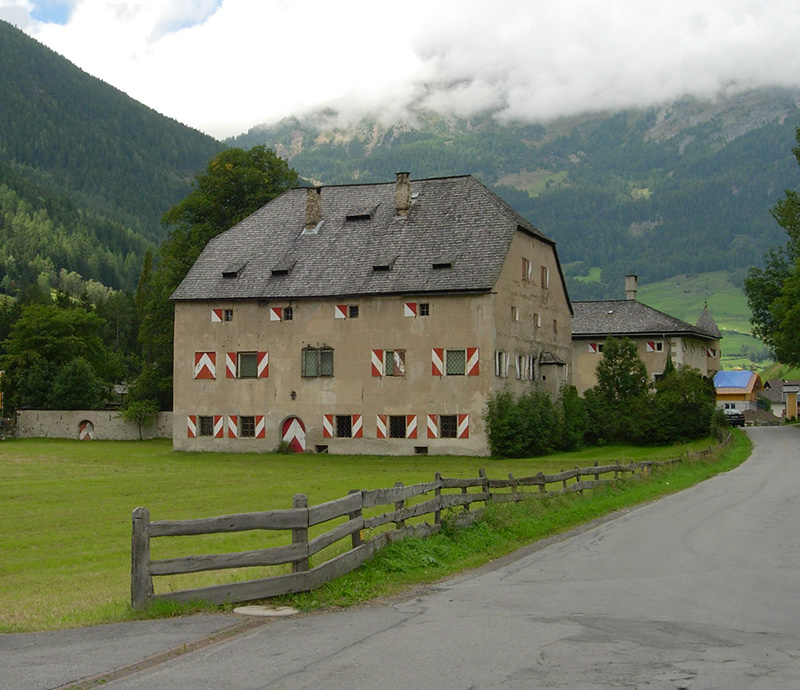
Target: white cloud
[{"x": 226, "y": 65}]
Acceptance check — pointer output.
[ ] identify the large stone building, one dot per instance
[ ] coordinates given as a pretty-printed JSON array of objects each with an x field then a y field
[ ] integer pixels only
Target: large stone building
[
  {"x": 371, "y": 318},
  {"x": 657, "y": 336}
]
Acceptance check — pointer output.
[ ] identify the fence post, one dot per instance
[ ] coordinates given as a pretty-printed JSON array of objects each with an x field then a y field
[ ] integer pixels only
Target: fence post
[
  {"x": 358, "y": 537},
  {"x": 578, "y": 479},
  {"x": 596, "y": 476},
  {"x": 542, "y": 487},
  {"x": 399, "y": 505},
  {"x": 485, "y": 485},
  {"x": 437, "y": 514},
  {"x": 141, "y": 580},
  {"x": 300, "y": 534},
  {"x": 514, "y": 491}
]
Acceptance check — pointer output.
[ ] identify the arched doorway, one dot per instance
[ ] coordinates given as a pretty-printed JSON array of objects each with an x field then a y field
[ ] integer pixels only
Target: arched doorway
[
  {"x": 293, "y": 432},
  {"x": 85, "y": 430}
]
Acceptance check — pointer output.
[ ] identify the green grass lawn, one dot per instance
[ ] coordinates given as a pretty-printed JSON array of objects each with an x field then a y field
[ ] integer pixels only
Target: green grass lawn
[{"x": 65, "y": 509}]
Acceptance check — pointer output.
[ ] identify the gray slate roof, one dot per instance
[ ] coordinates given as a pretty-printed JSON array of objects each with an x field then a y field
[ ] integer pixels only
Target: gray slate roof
[
  {"x": 452, "y": 220},
  {"x": 629, "y": 318}
]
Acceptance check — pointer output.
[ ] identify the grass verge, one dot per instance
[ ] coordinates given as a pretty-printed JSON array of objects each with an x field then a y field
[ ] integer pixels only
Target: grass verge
[{"x": 504, "y": 528}]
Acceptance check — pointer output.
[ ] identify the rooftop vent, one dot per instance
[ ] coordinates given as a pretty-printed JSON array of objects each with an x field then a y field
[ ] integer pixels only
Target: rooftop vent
[{"x": 442, "y": 264}]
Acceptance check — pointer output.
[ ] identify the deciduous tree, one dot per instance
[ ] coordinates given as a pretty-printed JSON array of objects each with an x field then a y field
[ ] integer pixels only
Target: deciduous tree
[
  {"x": 773, "y": 293},
  {"x": 235, "y": 183}
]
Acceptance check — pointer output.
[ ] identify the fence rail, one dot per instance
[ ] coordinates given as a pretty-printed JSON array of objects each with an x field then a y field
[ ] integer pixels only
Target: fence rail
[{"x": 441, "y": 494}]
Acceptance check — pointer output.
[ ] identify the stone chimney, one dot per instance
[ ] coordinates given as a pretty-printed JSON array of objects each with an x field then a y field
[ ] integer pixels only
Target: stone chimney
[
  {"x": 313, "y": 207},
  {"x": 403, "y": 194},
  {"x": 631, "y": 285}
]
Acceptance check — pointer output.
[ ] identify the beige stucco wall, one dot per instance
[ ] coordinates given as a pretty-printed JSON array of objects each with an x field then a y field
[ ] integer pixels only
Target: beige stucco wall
[
  {"x": 480, "y": 321},
  {"x": 106, "y": 425},
  {"x": 685, "y": 350}
]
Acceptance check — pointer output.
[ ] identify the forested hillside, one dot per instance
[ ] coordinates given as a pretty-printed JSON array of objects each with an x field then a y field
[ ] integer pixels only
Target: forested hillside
[
  {"x": 85, "y": 171},
  {"x": 681, "y": 188}
]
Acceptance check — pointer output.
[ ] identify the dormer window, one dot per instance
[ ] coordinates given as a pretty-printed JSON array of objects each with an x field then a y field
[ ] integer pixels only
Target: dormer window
[
  {"x": 384, "y": 264},
  {"x": 438, "y": 265},
  {"x": 282, "y": 268},
  {"x": 233, "y": 271},
  {"x": 360, "y": 214}
]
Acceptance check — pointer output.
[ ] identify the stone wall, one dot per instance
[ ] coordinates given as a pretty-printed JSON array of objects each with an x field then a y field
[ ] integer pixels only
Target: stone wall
[{"x": 104, "y": 425}]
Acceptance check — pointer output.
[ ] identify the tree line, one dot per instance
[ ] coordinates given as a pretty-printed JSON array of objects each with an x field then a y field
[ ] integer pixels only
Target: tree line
[{"x": 61, "y": 333}]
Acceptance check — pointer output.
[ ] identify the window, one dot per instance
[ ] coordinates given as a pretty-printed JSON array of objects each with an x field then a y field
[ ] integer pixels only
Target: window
[
  {"x": 526, "y": 270},
  {"x": 247, "y": 427},
  {"x": 537, "y": 320},
  {"x": 344, "y": 426},
  {"x": 455, "y": 362},
  {"x": 280, "y": 313},
  {"x": 545, "y": 277},
  {"x": 501, "y": 364},
  {"x": 397, "y": 426},
  {"x": 345, "y": 311},
  {"x": 514, "y": 314},
  {"x": 394, "y": 362},
  {"x": 448, "y": 426},
  {"x": 317, "y": 362},
  {"x": 248, "y": 365},
  {"x": 206, "y": 426},
  {"x": 228, "y": 315},
  {"x": 424, "y": 309},
  {"x": 555, "y": 326}
]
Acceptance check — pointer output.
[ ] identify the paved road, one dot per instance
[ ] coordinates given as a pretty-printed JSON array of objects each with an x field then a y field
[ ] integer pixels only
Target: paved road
[{"x": 697, "y": 590}]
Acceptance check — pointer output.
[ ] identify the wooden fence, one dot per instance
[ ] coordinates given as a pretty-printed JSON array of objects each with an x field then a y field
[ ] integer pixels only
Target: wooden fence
[{"x": 399, "y": 505}]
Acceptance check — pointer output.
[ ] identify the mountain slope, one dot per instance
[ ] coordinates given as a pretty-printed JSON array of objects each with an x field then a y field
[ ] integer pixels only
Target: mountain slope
[
  {"x": 89, "y": 168},
  {"x": 680, "y": 188}
]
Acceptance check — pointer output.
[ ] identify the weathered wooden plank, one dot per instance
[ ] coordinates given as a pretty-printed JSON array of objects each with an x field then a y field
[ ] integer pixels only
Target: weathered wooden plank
[
  {"x": 334, "y": 509},
  {"x": 378, "y": 520},
  {"x": 460, "y": 483},
  {"x": 338, "y": 566},
  {"x": 243, "y": 591},
  {"x": 277, "y": 555},
  {"x": 453, "y": 500},
  {"x": 332, "y": 536},
  {"x": 561, "y": 476},
  {"x": 377, "y": 497},
  {"x": 272, "y": 519},
  {"x": 511, "y": 497},
  {"x": 424, "y": 508}
]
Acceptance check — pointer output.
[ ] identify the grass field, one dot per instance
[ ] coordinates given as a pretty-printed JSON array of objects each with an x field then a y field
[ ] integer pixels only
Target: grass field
[{"x": 65, "y": 509}]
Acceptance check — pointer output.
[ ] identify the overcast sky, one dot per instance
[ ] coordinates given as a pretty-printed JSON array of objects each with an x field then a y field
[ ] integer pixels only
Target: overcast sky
[{"x": 223, "y": 66}]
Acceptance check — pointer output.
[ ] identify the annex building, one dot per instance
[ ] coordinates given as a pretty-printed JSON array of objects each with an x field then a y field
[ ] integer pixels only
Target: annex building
[
  {"x": 657, "y": 336},
  {"x": 368, "y": 318}
]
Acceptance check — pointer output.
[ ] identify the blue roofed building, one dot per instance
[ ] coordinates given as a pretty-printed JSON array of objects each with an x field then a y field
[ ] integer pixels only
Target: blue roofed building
[{"x": 738, "y": 390}]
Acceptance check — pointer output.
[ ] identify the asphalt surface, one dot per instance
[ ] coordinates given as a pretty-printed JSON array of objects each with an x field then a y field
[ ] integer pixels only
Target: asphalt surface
[{"x": 696, "y": 590}]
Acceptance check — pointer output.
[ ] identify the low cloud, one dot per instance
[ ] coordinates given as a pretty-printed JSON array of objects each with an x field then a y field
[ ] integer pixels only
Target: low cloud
[{"x": 225, "y": 65}]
